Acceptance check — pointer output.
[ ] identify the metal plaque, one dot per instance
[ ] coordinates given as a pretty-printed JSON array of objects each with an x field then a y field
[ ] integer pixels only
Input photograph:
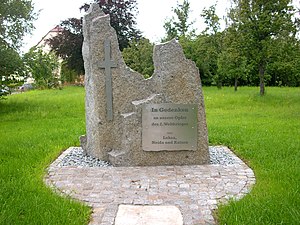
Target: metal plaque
[{"x": 169, "y": 127}]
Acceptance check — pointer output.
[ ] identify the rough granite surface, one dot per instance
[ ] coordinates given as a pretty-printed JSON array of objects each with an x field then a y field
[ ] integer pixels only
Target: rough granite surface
[{"x": 175, "y": 80}]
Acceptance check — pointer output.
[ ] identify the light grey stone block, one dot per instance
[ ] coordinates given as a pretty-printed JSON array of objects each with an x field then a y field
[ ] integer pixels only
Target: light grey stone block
[{"x": 175, "y": 80}]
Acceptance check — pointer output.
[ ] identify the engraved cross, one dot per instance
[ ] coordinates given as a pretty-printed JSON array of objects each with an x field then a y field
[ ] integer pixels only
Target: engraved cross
[{"x": 107, "y": 64}]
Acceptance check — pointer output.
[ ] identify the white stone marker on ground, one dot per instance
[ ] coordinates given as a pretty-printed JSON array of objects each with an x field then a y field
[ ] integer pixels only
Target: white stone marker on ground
[{"x": 148, "y": 215}]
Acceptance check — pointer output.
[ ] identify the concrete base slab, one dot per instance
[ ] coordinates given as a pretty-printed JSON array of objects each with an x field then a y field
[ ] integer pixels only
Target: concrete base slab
[{"x": 148, "y": 215}]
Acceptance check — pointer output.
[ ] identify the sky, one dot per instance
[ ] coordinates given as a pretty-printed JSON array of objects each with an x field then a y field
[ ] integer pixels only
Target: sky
[{"x": 150, "y": 19}]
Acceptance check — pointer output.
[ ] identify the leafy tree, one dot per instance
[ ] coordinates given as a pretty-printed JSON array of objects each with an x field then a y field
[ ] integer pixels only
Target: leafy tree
[
  {"x": 67, "y": 75},
  {"x": 214, "y": 42},
  {"x": 205, "y": 48},
  {"x": 283, "y": 68},
  {"x": 43, "y": 67},
  {"x": 16, "y": 17},
  {"x": 232, "y": 65},
  {"x": 68, "y": 45},
  {"x": 179, "y": 26},
  {"x": 139, "y": 57},
  {"x": 171, "y": 31},
  {"x": 211, "y": 20},
  {"x": 11, "y": 69},
  {"x": 199, "y": 51},
  {"x": 260, "y": 22}
]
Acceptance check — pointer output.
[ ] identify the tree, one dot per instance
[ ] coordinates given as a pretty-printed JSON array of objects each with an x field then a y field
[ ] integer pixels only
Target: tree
[
  {"x": 10, "y": 63},
  {"x": 199, "y": 51},
  {"x": 16, "y": 17},
  {"x": 211, "y": 20},
  {"x": 260, "y": 22},
  {"x": 11, "y": 69},
  {"x": 212, "y": 40},
  {"x": 43, "y": 67},
  {"x": 283, "y": 68},
  {"x": 67, "y": 75},
  {"x": 139, "y": 57},
  {"x": 179, "y": 26},
  {"x": 68, "y": 45},
  {"x": 232, "y": 65}
]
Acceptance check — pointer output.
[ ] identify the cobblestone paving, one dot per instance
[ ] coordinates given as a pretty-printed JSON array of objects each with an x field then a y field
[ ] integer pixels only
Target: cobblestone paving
[{"x": 195, "y": 190}]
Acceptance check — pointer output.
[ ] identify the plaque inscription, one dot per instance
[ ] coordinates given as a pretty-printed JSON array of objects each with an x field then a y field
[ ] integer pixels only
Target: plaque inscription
[{"x": 169, "y": 127}]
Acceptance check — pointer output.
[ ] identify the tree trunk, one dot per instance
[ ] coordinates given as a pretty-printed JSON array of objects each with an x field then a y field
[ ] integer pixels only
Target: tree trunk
[
  {"x": 262, "y": 79},
  {"x": 235, "y": 83}
]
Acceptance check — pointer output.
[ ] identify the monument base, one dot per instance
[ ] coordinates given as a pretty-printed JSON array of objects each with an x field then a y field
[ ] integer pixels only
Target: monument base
[{"x": 163, "y": 158}]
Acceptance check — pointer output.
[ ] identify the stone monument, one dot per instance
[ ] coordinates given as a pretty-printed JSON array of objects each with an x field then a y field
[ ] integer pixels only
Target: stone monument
[{"x": 132, "y": 121}]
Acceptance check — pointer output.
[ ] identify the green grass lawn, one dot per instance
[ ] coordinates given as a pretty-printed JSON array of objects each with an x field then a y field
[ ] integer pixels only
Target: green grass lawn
[
  {"x": 265, "y": 131},
  {"x": 35, "y": 127}
]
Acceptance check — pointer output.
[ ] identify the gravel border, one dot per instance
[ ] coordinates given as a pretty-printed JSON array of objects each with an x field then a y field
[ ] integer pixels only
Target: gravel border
[{"x": 75, "y": 156}]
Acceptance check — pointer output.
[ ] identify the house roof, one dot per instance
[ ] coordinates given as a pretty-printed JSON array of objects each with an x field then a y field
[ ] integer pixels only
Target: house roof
[{"x": 53, "y": 32}]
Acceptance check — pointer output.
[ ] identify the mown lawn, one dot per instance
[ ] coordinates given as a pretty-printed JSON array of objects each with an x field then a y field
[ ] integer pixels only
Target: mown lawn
[
  {"x": 35, "y": 127},
  {"x": 265, "y": 131}
]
